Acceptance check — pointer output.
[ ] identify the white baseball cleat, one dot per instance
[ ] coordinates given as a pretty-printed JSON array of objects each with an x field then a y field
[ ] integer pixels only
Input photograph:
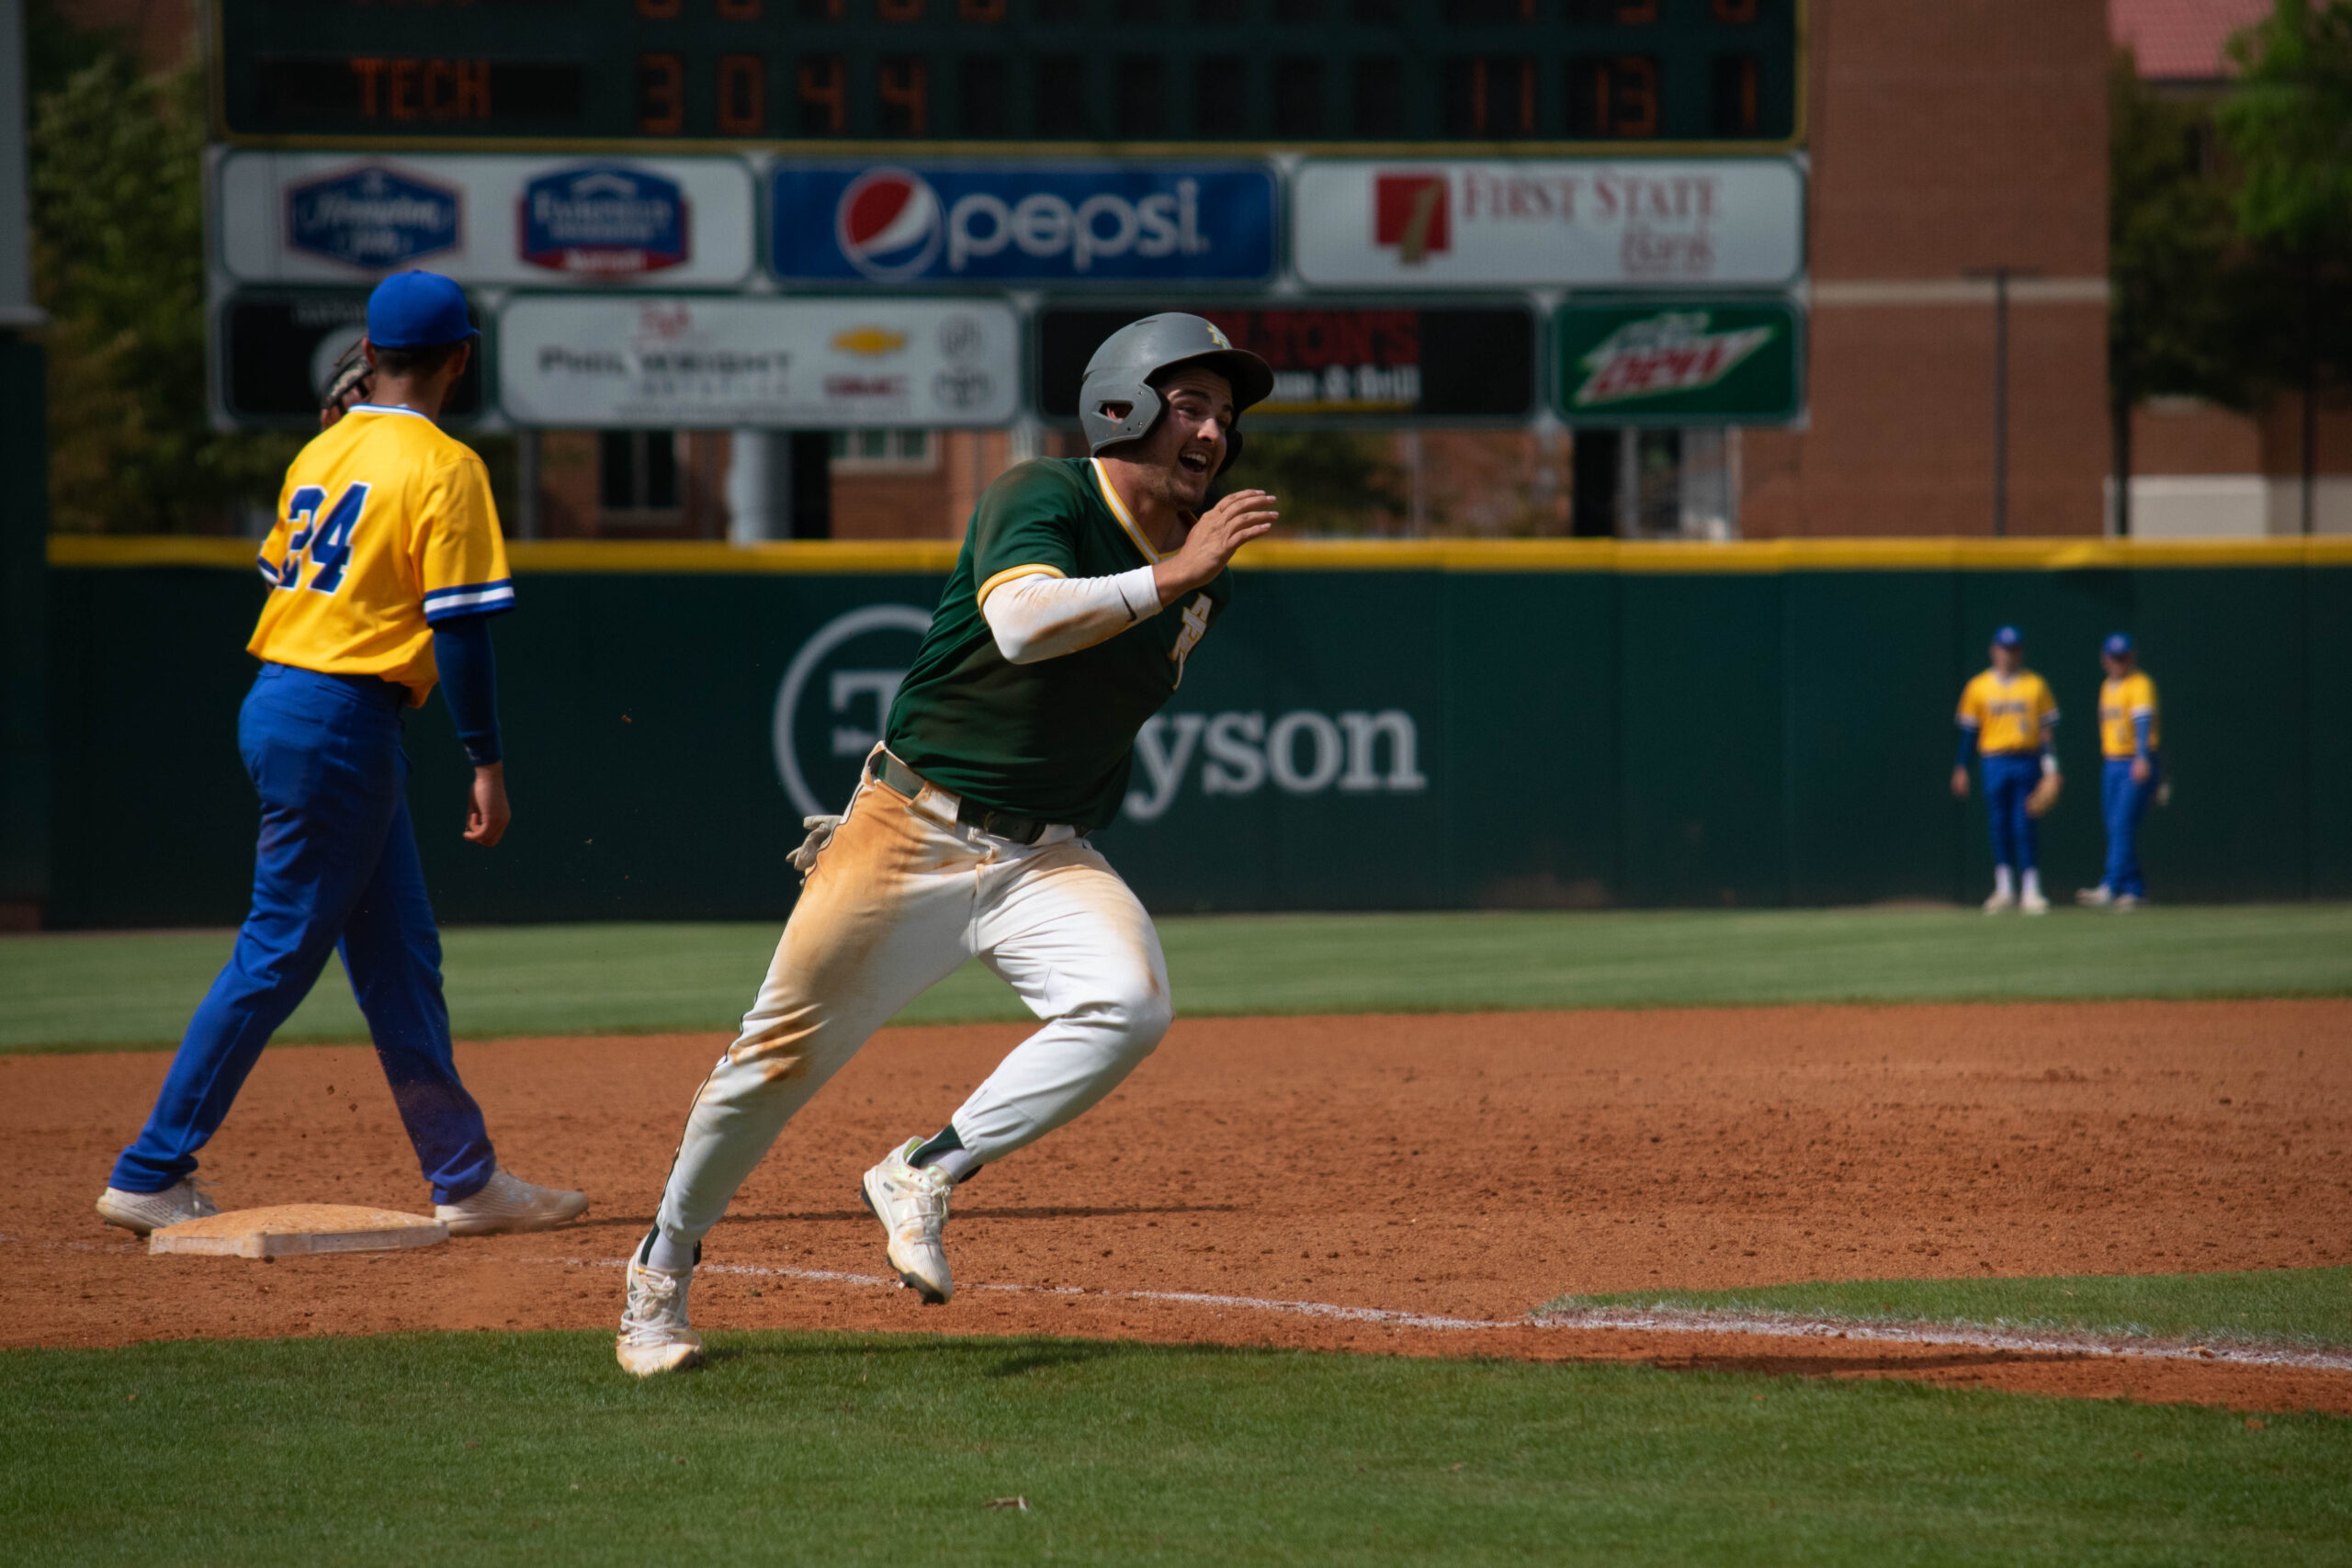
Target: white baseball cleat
[
  {"x": 911, "y": 1203},
  {"x": 2097, "y": 897},
  {"x": 142, "y": 1212},
  {"x": 2033, "y": 904},
  {"x": 510, "y": 1203},
  {"x": 1999, "y": 902},
  {"x": 654, "y": 1336},
  {"x": 2127, "y": 902}
]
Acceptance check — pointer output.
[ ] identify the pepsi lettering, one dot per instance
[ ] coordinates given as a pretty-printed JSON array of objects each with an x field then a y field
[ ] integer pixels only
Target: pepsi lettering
[{"x": 1006, "y": 223}]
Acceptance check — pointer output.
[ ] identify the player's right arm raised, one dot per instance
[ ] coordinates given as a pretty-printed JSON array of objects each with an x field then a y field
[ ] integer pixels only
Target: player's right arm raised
[{"x": 1244, "y": 515}]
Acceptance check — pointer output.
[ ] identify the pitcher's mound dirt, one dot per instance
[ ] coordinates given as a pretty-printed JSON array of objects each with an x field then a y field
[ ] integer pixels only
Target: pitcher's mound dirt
[{"x": 1463, "y": 1165}]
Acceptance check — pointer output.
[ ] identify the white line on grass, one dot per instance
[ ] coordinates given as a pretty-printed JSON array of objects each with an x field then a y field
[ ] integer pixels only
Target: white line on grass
[{"x": 1763, "y": 1324}]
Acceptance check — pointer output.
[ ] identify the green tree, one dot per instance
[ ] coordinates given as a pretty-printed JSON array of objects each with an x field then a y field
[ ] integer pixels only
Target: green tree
[
  {"x": 2287, "y": 125},
  {"x": 1327, "y": 481},
  {"x": 2176, "y": 315},
  {"x": 117, "y": 177}
]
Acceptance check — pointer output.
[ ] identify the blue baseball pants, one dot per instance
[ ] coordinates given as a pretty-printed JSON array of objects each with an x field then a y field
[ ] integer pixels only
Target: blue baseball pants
[
  {"x": 2009, "y": 777},
  {"x": 2124, "y": 802},
  {"x": 336, "y": 868}
]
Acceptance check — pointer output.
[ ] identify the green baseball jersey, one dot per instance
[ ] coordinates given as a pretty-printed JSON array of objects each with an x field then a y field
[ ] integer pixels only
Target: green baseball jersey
[{"x": 1055, "y": 738}]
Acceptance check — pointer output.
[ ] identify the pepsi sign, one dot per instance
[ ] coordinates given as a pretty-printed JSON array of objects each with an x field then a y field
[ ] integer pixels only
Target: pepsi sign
[
  {"x": 373, "y": 218},
  {"x": 1012, "y": 223},
  {"x": 603, "y": 220}
]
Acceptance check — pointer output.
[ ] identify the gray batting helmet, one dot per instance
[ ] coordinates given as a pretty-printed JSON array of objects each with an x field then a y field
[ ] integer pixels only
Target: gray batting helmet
[{"x": 1123, "y": 369}]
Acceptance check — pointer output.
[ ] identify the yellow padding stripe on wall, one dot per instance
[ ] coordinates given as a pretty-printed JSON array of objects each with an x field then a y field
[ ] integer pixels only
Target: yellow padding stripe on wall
[{"x": 826, "y": 556}]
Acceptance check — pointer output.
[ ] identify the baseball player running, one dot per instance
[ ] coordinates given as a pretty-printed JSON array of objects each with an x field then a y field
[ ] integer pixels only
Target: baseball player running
[
  {"x": 1083, "y": 586},
  {"x": 384, "y": 570},
  {"x": 2132, "y": 773},
  {"x": 2007, "y": 715}
]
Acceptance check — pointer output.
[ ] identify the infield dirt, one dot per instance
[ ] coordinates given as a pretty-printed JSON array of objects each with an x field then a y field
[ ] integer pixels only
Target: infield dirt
[{"x": 1468, "y": 1165}]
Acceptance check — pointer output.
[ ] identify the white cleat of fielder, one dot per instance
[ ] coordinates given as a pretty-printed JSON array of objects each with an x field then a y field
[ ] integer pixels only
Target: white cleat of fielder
[
  {"x": 2033, "y": 904},
  {"x": 911, "y": 1203},
  {"x": 654, "y": 1337},
  {"x": 142, "y": 1213},
  {"x": 508, "y": 1203},
  {"x": 1999, "y": 903}
]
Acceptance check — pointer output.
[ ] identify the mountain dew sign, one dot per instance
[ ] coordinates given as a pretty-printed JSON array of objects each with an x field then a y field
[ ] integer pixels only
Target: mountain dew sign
[{"x": 1679, "y": 362}]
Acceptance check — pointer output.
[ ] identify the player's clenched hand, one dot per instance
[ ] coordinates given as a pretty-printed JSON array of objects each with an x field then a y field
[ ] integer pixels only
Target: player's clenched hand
[
  {"x": 1960, "y": 784},
  {"x": 487, "y": 812},
  {"x": 1244, "y": 515}
]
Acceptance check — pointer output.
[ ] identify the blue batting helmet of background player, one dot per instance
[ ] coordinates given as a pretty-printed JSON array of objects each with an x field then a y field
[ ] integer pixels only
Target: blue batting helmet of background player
[
  {"x": 2118, "y": 646},
  {"x": 2008, "y": 636}
]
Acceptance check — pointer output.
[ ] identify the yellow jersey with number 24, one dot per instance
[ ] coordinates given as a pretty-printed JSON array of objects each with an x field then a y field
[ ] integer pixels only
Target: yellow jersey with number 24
[
  {"x": 2008, "y": 713},
  {"x": 385, "y": 527}
]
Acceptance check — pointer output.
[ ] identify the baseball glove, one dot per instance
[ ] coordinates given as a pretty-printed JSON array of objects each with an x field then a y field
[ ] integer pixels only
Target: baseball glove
[
  {"x": 349, "y": 383},
  {"x": 2044, "y": 796}
]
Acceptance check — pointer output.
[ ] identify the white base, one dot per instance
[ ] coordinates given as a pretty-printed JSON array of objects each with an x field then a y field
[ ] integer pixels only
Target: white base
[{"x": 293, "y": 1229}]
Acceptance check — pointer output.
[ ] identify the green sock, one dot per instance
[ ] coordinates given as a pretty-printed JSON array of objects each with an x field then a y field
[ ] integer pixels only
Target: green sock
[{"x": 945, "y": 1141}]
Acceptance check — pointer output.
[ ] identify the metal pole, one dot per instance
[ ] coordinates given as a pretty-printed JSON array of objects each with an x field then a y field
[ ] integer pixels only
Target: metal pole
[
  {"x": 751, "y": 484},
  {"x": 2000, "y": 401},
  {"x": 2310, "y": 393},
  {"x": 528, "y": 524},
  {"x": 2000, "y": 277},
  {"x": 1629, "y": 482},
  {"x": 16, "y": 224}
]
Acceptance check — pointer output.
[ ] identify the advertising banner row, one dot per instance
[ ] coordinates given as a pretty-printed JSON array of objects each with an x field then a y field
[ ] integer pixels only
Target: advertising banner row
[
  {"x": 1687, "y": 732},
  {"x": 682, "y": 361},
  {"x": 727, "y": 222}
]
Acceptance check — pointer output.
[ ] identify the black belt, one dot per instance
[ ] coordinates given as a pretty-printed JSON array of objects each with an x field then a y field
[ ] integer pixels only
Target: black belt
[
  {"x": 887, "y": 770},
  {"x": 393, "y": 692}
]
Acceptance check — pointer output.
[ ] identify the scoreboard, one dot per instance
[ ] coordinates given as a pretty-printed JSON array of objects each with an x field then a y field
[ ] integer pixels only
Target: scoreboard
[{"x": 1131, "y": 76}]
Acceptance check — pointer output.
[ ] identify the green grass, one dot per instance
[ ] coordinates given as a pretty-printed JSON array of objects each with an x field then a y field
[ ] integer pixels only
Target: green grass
[
  {"x": 835, "y": 1450},
  {"x": 114, "y": 990},
  {"x": 2298, "y": 1308}
]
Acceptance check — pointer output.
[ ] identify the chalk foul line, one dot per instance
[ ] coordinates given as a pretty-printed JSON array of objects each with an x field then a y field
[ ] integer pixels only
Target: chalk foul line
[{"x": 1777, "y": 1325}]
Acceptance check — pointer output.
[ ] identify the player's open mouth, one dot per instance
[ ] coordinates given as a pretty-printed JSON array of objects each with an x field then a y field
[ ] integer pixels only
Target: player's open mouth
[{"x": 1193, "y": 462}]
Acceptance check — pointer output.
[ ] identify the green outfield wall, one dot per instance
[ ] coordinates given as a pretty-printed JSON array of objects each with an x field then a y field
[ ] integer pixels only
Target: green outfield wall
[{"x": 1412, "y": 726}]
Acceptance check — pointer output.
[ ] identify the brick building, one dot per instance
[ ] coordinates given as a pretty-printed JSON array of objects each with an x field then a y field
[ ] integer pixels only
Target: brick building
[{"x": 1949, "y": 140}]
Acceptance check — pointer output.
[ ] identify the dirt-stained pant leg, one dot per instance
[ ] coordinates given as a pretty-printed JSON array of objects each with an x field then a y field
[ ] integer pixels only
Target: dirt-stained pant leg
[
  {"x": 887, "y": 914},
  {"x": 1061, "y": 928}
]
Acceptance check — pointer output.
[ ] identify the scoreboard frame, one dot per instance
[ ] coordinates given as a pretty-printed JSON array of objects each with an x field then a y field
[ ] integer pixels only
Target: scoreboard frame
[{"x": 935, "y": 146}]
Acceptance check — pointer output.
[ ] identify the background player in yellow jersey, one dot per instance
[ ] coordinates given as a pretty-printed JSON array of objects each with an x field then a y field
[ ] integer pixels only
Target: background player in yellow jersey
[
  {"x": 2007, "y": 715},
  {"x": 2131, "y": 773},
  {"x": 383, "y": 571}
]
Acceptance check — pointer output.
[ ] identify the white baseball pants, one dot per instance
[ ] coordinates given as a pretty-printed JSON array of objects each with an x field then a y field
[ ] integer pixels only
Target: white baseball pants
[{"x": 899, "y": 898}]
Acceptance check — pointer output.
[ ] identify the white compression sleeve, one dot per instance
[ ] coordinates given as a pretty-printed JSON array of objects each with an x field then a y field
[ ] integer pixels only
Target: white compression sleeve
[{"x": 1045, "y": 617}]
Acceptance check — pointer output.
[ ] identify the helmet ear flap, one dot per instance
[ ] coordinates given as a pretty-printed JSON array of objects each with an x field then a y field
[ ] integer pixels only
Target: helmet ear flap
[
  {"x": 1232, "y": 447},
  {"x": 1102, "y": 430}
]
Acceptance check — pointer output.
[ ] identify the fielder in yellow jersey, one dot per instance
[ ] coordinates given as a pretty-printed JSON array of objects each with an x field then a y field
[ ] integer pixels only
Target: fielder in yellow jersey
[
  {"x": 2006, "y": 717},
  {"x": 2131, "y": 774},
  {"x": 383, "y": 571},
  {"x": 385, "y": 527}
]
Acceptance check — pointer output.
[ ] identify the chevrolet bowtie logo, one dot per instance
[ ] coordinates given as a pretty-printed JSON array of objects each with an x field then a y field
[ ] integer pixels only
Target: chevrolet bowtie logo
[{"x": 873, "y": 341}]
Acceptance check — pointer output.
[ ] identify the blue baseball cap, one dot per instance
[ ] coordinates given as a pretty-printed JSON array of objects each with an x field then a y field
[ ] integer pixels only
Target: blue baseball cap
[
  {"x": 2117, "y": 647},
  {"x": 417, "y": 310},
  {"x": 2008, "y": 636}
]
